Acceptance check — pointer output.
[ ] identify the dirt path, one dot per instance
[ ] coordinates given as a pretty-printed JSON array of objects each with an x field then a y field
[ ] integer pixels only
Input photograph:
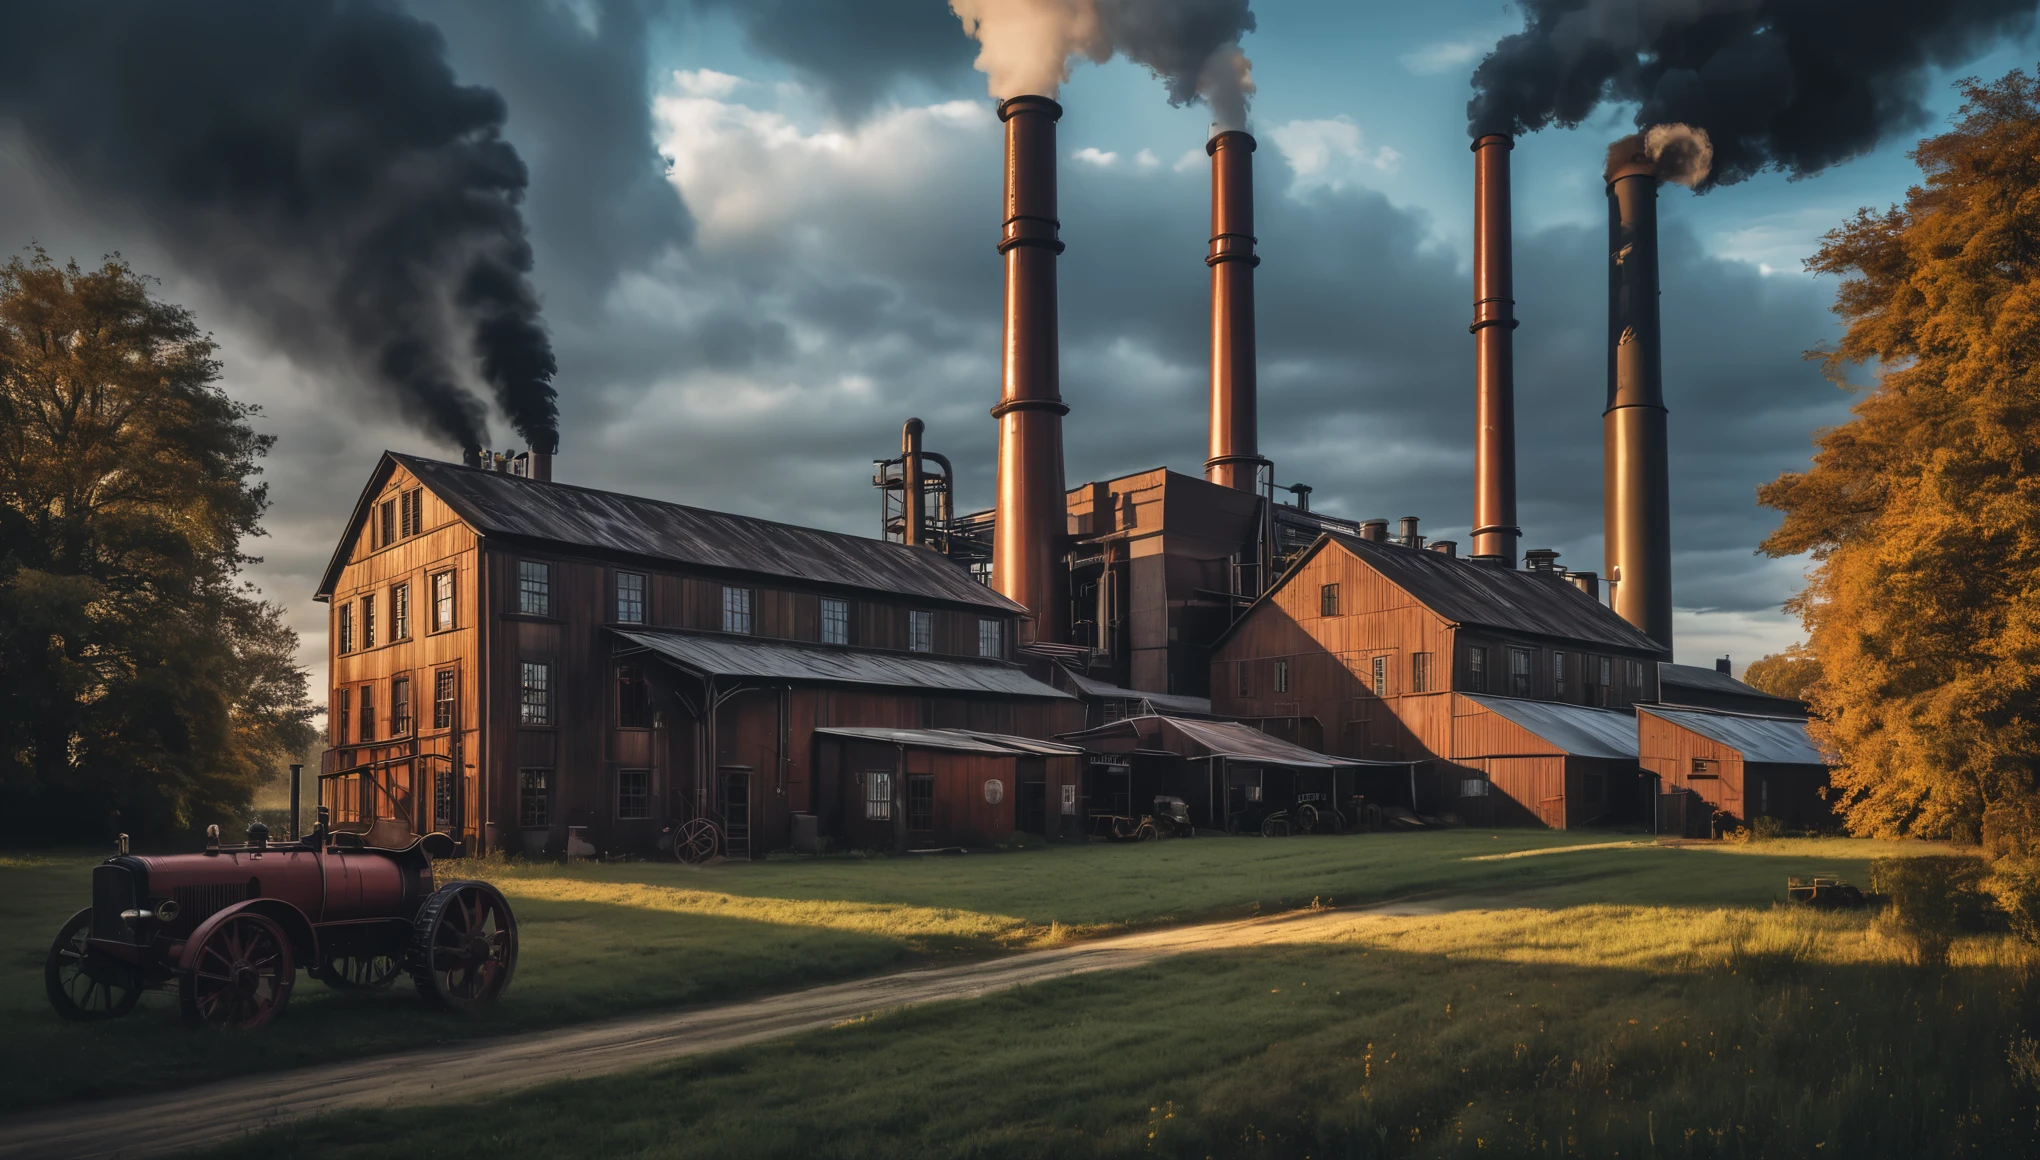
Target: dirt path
[{"x": 216, "y": 1112}]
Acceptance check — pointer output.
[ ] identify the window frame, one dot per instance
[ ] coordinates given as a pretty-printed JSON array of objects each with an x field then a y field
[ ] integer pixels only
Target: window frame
[
  {"x": 386, "y": 522},
  {"x": 400, "y": 706},
  {"x": 920, "y": 630},
  {"x": 625, "y": 699},
  {"x": 1420, "y": 672},
  {"x": 367, "y": 621},
  {"x": 1476, "y": 668},
  {"x": 535, "y": 712},
  {"x": 991, "y": 638},
  {"x": 739, "y": 610},
  {"x": 642, "y": 794},
  {"x": 620, "y": 589},
  {"x": 1377, "y": 676},
  {"x": 921, "y": 803},
  {"x": 343, "y": 709},
  {"x": 835, "y": 611},
  {"x": 525, "y": 792},
  {"x": 448, "y": 603},
  {"x": 534, "y": 586},
  {"x": 1558, "y": 674},
  {"x": 446, "y": 709},
  {"x": 410, "y": 512},
  {"x": 400, "y": 611},
  {"x": 344, "y": 632},
  {"x": 1328, "y": 599},
  {"x": 1282, "y": 676},
  {"x": 878, "y": 806},
  {"x": 364, "y": 717},
  {"x": 1521, "y": 664}
]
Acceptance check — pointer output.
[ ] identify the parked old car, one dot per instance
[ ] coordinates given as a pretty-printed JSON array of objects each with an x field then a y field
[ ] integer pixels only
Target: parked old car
[{"x": 228, "y": 929}]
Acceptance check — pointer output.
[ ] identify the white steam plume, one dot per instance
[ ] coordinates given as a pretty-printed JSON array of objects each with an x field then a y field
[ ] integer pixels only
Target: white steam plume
[{"x": 1681, "y": 154}]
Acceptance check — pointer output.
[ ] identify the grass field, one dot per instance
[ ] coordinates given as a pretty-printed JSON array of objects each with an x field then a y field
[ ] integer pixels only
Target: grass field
[{"x": 1190, "y": 1038}]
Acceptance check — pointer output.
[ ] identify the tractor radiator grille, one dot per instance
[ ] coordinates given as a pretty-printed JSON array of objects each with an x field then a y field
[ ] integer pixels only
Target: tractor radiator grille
[
  {"x": 113, "y": 890},
  {"x": 198, "y": 903}
]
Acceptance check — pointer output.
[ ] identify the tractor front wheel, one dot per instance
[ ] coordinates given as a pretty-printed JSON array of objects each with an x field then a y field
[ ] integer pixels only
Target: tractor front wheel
[{"x": 87, "y": 985}]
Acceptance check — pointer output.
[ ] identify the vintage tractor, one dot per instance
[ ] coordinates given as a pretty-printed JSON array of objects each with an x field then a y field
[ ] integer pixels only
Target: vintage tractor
[{"x": 229, "y": 928}]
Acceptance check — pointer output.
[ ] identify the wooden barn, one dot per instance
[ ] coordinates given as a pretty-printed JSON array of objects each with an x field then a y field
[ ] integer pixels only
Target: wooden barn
[
  {"x": 921, "y": 788},
  {"x": 1732, "y": 768},
  {"x": 1540, "y": 763},
  {"x": 1391, "y": 651},
  {"x": 532, "y": 665}
]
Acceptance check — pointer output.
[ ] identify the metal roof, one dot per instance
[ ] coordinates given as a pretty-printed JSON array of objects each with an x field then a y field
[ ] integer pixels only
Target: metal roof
[
  {"x": 1502, "y": 598},
  {"x": 1223, "y": 739},
  {"x": 499, "y": 504},
  {"x": 717, "y": 655},
  {"x": 1169, "y": 702},
  {"x": 952, "y": 740},
  {"x": 1672, "y": 677},
  {"x": 1766, "y": 740},
  {"x": 1578, "y": 730}
]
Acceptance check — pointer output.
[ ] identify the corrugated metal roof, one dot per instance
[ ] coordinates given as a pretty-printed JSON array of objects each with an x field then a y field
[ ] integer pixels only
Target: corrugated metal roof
[
  {"x": 769, "y": 660},
  {"x": 947, "y": 740},
  {"x": 499, "y": 504},
  {"x": 1169, "y": 702},
  {"x": 1468, "y": 593},
  {"x": 1580, "y": 730},
  {"x": 1771, "y": 740},
  {"x": 1223, "y": 739},
  {"x": 1672, "y": 677},
  {"x": 1023, "y": 744}
]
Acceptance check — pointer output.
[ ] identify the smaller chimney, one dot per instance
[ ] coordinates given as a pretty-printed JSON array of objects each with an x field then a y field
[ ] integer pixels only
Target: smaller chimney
[
  {"x": 473, "y": 457},
  {"x": 1542, "y": 560},
  {"x": 1586, "y": 582},
  {"x": 911, "y": 496},
  {"x": 1302, "y": 493},
  {"x": 1447, "y": 548},
  {"x": 1407, "y": 533},
  {"x": 1721, "y": 666},
  {"x": 541, "y": 460},
  {"x": 1375, "y": 530}
]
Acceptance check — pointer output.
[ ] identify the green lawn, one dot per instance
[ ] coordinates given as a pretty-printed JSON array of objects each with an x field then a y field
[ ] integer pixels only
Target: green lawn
[{"x": 606, "y": 940}]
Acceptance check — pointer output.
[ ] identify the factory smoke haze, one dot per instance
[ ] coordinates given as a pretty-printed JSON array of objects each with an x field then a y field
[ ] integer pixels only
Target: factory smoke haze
[
  {"x": 318, "y": 163},
  {"x": 1795, "y": 85},
  {"x": 1192, "y": 46},
  {"x": 1681, "y": 154}
]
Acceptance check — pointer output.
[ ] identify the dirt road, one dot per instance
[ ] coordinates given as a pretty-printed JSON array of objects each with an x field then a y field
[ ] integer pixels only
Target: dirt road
[{"x": 216, "y": 1112}]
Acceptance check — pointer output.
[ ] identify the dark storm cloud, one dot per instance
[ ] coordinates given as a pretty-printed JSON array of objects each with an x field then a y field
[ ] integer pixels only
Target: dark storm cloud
[
  {"x": 1798, "y": 85},
  {"x": 853, "y": 52},
  {"x": 318, "y": 162}
]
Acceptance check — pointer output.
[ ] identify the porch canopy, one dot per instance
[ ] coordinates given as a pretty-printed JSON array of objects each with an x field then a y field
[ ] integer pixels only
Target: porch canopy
[
  {"x": 953, "y": 741},
  {"x": 1198, "y": 740}
]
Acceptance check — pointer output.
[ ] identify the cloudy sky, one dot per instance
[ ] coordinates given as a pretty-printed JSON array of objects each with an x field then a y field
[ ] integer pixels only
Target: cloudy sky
[{"x": 764, "y": 230}]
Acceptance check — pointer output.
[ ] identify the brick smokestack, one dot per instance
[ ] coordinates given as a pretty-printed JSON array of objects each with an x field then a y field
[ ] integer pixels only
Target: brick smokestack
[
  {"x": 1032, "y": 520},
  {"x": 1235, "y": 459},
  {"x": 1494, "y": 324},
  {"x": 1636, "y": 484}
]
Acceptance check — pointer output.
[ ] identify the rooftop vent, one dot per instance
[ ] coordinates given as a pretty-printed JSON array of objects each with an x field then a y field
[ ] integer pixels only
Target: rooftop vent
[{"x": 1540, "y": 560}]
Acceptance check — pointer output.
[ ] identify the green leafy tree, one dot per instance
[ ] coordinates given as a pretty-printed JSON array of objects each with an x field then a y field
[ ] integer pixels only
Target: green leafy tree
[
  {"x": 1784, "y": 674},
  {"x": 1922, "y": 513},
  {"x": 143, "y": 687}
]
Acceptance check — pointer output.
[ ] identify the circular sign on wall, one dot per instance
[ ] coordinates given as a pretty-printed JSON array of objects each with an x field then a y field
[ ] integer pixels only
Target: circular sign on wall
[{"x": 995, "y": 791}]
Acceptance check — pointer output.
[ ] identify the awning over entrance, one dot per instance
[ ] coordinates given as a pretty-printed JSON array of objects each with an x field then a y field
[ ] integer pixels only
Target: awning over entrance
[
  {"x": 1202, "y": 739},
  {"x": 953, "y": 741},
  {"x": 1576, "y": 730},
  {"x": 717, "y": 655}
]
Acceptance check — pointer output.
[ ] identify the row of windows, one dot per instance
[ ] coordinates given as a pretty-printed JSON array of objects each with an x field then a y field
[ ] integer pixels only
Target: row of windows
[
  {"x": 535, "y": 796},
  {"x": 354, "y": 709},
  {"x": 363, "y": 630},
  {"x": 1594, "y": 673}
]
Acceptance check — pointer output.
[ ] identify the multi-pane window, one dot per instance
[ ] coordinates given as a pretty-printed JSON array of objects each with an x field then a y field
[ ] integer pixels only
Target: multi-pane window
[
  {"x": 347, "y": 627},
  {"x": 1378, "y": 679},
  {"x": 368, "y": 622},
  {"x": 1420, "y": 672},
  {"x": 411, "y": 512},
  {"x": 387, "y": 518},
  {"x": 1328, "y": 600},
  {"x": 367, "y": 718},
  {"x": 1519, "y": 672},
  {"x": 630, "y": 598},
  {"x": 442, "y": 601},
  {"x": 835, "y": 621},
  {"x": 534, "y": 697},
  {"x": 343, "y": 716},
  {"x": 633, "y": 793},
  {"x": 1281, "y": 676},
  {"x": 633, "y": 698},
  {"x": 534, "y": 587},
  {"x": 878, "y": 795},
  {"x": 442, "y": 699},
  {"x": 921, "y": 632},
  {"x": 991, "y": 639},
  {"x": 400, "y": 611},
  {"x": 534, "y": 798},
  {"x": 736, "y": 610},
  {"x": 1476, "y": 670},
  {"x": 1558, "y": 675},
  {"x": 920, "y": 802},
  {"x": 400, "y": 706}
]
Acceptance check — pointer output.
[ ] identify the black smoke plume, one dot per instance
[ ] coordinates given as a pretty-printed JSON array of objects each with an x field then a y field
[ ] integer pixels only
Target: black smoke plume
[
  {"x": 317, "y": 161},
  {"x": 1796, "y": 85}
]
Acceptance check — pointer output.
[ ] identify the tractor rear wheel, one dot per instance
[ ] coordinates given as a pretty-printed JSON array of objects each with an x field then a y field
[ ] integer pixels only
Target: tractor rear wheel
[
  {"x": 87, "y": 985},
  {"x": 463, "y": 947}
]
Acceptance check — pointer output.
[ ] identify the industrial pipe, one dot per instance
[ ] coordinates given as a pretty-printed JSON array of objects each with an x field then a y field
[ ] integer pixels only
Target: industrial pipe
[
  {"x": 911, "y": 498},
  {"x": 1032, "y": 520},
  {"x": 1235, "y": 460},
  {"x": 1636, "y": 496},
  {"x": 1494, "y": 323}
]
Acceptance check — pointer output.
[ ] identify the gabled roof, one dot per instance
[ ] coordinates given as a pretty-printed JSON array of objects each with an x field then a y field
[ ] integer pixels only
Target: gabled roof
[
  {"x": 1710, "y": 686},
  {"x": 1578, "y": 730},
  {"x": 1218, "y": 739},
  {"x": 496, "y": 503},
  {"x": 1766, "y": 740},
  {"x": 720, "y": 655}
]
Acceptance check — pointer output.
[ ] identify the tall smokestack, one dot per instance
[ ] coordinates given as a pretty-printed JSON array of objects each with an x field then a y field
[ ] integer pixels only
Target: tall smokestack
[
  {"x": 911, "y": 497},
  {"x": 1235, "y": 459},
  {"x": 1636, "y": 485},
  {"x": 1027, "y": 547},
  {"x": 1494, "y": 323}
]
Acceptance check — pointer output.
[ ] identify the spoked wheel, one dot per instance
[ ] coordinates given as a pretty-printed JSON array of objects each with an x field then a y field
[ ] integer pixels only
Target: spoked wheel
[
  {"x": 242, "y": 976},
  {"x": 364, "y": 972},
  {"x": 696, "y": 842},
  {"x": 86, "y": 985},
  {"x": 1275, "y": 825},
  {"x": 463, "y": 947}
]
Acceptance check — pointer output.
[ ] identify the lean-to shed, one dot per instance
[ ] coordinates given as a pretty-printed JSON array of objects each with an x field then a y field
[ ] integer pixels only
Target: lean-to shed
[{"x": 1741, "y": 766}]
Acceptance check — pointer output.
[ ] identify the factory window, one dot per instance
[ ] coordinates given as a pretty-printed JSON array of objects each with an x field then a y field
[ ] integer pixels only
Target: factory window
[
  {"x": 633, "y": 698},
  {"x": 347, "y": 627},
  {"x": 630, "y": 598},
  {"x": 343, "y": 716},
  {"x": 1420, "y": 672},
  {"x": 1635, "y": 674},
  {"x": 1476, "y": 670},
  {"x": 1328, "y": 599},
  {"x": 400, "y": 706},
  {"x": 1473, "y": 787},
  {"x": 1703, "y": 767},
  {"x": 1281, "y": 676},
  {"x": 387, "y": 523},
  {"x": 921, "y": 632},
  {"x": 534, "y": 587},
  {"x": 878, "y": 795},
  {"x": 442, "y": 699},
  {"x": 736, "y": 610},
  {"x": 367, "y": 717},
  {"x": 991, "y": 639},
  {"x": 534, "y": 798},
  {"x": 442, "y": 601},
  {"x": 368, "y": 622},
  {"x": 835, "y": 621},
  {"x": 410, "y": 512},
  {"x": 1246, "y": 678},
  {"x": 1607, "y": 680},
  {"x": 1519, "y": 672},
  {"x": 400, "y": 611},
  {"x": 633, "y": 794},
  {"x": 1558, "y": 675},
  {"x": 1378, "y": 679},
  {"x": 534, "y": 696},
  {"x": 921, "y": 802}
]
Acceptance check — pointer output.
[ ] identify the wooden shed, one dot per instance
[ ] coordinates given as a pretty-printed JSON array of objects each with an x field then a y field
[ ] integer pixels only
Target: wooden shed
[
  {"x": 1736, "y": 765},
  {"x": 923, "y": 788},
  {"x": 1543, "y": 763}
]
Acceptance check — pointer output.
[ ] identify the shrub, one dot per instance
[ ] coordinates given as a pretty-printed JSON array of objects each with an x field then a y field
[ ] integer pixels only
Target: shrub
[
  {"x": 1766, "y": 829},
  {"x": 1930, "y": 900},
  {"x": 2014, "y": 884}
]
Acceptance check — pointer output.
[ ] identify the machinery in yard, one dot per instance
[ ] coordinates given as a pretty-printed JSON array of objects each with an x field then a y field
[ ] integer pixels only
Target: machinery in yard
[
  {"x": 1170, "y": 819},
  {"x": 227, "y": 929}
]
